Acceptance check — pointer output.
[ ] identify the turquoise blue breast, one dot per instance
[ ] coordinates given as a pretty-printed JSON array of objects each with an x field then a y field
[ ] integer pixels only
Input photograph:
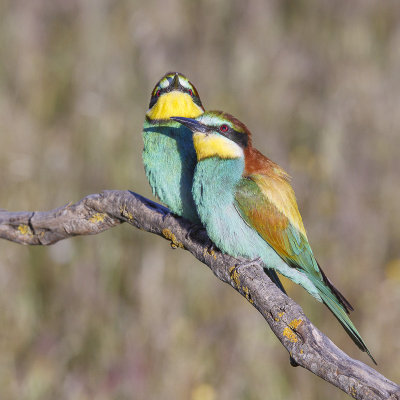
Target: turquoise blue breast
[
  {"x": 213, "y": 190},
  {"x": 169, "y": 160}
]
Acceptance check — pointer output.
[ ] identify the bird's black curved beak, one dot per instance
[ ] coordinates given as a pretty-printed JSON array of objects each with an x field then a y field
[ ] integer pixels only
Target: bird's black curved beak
[
  {"x": 192, "y": 124},
  {"x": 175, "y": 82}
]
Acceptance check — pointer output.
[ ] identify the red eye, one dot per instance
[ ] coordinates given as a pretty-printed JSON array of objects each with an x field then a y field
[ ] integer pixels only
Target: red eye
[
  {"x": 224, "y": 128},
  {"x": 158, "y": 93},
  {"x": 191, "y": 92}
]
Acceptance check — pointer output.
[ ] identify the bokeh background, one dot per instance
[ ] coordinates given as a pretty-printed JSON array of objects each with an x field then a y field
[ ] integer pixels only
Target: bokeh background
[{"x": 123, "y": 316}]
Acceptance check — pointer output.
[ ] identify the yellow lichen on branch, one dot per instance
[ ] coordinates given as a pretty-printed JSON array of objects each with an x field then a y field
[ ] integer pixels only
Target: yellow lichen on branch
[
  {"x": 246, "y": 291},
  {"x": 236, "y": 280},
  {"x": 295, "y": 323},
  {"x": 280, "y": 315},
  {"x": 98, "y": 217},
  {"x": 25, "y": 230},
  {"x": 127, "y": 214},
  {"x": 170, "y": 236},
  {"x": 289, "y": 330},
  {"x": 234, "y": 276}
]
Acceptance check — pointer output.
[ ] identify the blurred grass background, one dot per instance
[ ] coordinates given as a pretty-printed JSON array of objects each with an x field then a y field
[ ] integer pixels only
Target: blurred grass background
[{"x": 121, "y": 315}]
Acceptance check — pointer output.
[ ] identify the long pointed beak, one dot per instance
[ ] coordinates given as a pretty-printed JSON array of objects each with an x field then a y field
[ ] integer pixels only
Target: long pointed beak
[
  {"x": 175, "y": 82},
  {"x": 192, "y": 124}
]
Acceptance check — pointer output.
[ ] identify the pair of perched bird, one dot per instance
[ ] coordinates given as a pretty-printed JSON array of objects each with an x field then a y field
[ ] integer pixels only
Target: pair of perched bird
[{"x": 203, "y": 166}]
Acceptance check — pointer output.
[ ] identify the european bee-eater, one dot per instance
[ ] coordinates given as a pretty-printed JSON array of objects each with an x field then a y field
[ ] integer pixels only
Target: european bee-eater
[
  {"x": 249, "y": 209},
  {"x": 168, "y": 155}
]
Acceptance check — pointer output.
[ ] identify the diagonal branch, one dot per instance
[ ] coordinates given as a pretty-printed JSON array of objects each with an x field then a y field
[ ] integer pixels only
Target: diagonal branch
[{"x": 307, "y": 346}]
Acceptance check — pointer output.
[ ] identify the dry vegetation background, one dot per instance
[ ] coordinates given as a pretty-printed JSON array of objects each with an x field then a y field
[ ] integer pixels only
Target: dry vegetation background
[{"x": 121, "y": 315}]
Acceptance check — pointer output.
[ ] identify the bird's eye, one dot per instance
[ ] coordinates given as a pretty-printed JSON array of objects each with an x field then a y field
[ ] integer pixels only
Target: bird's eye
[
  {"x": 158, "y": 93},
  {"x": 224, "y": 128},
  {"x": 191, "y": 92}
]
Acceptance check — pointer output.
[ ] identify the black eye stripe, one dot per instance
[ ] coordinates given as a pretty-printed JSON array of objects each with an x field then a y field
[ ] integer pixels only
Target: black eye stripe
[{"x": 239, "y": 138}]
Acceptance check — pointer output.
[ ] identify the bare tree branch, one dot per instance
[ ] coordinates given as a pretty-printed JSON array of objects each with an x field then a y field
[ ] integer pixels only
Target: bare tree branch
[{"x": 307, "y": 346}]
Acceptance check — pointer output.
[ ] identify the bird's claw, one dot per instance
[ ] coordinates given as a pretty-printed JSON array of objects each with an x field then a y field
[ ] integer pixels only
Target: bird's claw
[
  {"x": 211, "y": 248},
  {"x": 248, "y": 263},
  {"x": 194, "y": 229},
  {"x": 166, "y": 215}
]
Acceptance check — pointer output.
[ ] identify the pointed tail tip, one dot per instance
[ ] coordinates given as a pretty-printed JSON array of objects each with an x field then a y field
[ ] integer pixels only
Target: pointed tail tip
[
  {"x": 370, "y": 356},
  {"x": 340, "y": 313},
  {"x": 360, "y": 343}
]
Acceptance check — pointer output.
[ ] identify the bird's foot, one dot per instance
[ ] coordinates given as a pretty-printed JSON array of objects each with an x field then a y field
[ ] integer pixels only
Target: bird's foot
[
  {"x": 248, "y": 263},
  {"x": 211, "y": 249},
  {"x": 167, "y": 215},
  {"x": 193, "y": 230}
]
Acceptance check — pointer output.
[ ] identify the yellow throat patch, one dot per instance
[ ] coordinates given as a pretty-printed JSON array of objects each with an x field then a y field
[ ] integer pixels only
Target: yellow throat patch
[
  {"x": 174, "y": 104},
  {"x": 212, "y": 145}
]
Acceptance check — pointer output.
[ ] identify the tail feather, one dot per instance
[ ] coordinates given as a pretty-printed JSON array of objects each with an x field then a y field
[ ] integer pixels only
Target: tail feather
[
  {"x": 329, "y": 298},
  {"x": 342, "y": 300},
  {"x": 274, "y": 278}
]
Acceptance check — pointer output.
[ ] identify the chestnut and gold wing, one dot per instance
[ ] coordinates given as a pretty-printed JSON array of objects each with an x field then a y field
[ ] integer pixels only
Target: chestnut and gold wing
[{"x": 269, "y": 206}]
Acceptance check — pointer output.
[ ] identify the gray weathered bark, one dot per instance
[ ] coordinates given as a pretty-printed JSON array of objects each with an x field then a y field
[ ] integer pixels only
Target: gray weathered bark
[{"x": 307, "y": 346}]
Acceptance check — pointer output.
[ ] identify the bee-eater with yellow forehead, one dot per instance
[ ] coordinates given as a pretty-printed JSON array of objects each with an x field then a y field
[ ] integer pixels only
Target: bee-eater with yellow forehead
[
  {"x": 168, "y": 155},
  {"x": 249, "y": 209}
]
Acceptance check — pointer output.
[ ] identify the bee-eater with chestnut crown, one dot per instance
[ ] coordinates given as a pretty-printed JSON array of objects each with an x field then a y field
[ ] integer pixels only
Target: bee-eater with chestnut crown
[
  {"x": 169, "y": 157},
  {"x": 249, "y": 209}
]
